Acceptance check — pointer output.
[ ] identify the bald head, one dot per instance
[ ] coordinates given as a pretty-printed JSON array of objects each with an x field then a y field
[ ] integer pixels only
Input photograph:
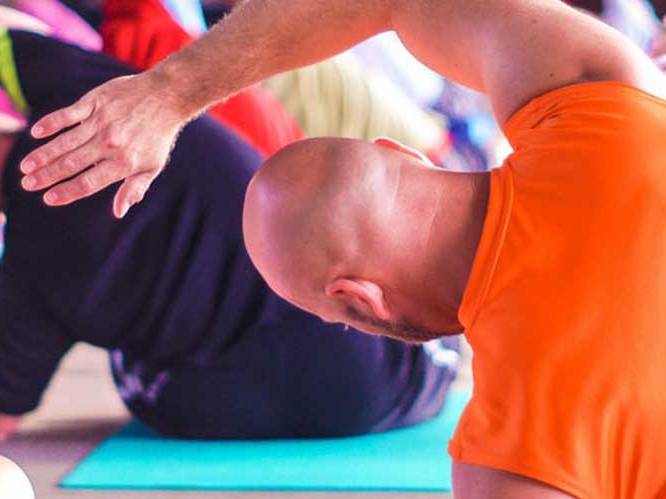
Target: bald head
[
  {"x": 342, "y": 228},
  {"x": 310, "y": 207}
]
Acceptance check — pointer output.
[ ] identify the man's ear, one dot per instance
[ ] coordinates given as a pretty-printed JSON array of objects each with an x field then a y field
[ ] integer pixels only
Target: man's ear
[
  {"x": 363, "y": 295},
  {"x": 390, "y": 143}
]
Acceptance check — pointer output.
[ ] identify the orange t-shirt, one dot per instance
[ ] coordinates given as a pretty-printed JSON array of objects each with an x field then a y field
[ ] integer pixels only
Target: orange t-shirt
[{"x": 566, "y": 305}]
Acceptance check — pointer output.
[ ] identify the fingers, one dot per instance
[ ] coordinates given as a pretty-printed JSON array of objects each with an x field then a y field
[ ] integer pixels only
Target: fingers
[
  {"x": 53, "y": 156},
  {"x": 85, "y": 184},
  {"x": 63, "y": 118},
  {"x": 132, "y": 192},
  {"x": 123, "y": 132},
  {"x": 62, "y": 169}
]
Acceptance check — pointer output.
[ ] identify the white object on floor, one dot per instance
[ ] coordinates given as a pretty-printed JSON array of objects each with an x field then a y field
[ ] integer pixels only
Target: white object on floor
[{"x": 14, "y": 483}]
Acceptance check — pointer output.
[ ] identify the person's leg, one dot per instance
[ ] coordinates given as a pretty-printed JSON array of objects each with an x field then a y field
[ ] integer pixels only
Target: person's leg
[
  {"x": 290, "y": 377},
  {"x": 341, "y": 382}
]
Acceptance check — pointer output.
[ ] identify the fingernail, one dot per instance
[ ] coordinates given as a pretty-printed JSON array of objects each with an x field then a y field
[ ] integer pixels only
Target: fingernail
[
  {"x": 28, "y": 182},
  {"x": 50, "y": 198},
  {"x": 27, "y": 166},
  {"x": 37, "y": 130}
]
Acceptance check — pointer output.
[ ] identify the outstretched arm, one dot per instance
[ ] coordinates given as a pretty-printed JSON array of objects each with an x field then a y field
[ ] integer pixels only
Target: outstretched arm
[{"x": 511, "y": 49}]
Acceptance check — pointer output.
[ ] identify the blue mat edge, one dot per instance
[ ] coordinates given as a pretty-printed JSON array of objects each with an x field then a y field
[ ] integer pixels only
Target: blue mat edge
[
  {"x": 411, "y": 490},
  {"x": 71, "y": 481}
]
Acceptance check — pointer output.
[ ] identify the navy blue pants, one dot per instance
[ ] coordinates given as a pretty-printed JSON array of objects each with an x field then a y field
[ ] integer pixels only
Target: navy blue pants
[{"x": 299, "y": 379}]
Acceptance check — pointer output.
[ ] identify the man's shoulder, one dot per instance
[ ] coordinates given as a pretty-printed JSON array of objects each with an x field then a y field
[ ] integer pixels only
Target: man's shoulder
[{"x": 588, "y": 130}]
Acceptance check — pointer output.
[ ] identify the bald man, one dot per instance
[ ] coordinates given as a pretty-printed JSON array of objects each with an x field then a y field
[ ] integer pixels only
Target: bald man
[
  {"x": 560, "y": 251},
  {"x": 200, "y": 347}
]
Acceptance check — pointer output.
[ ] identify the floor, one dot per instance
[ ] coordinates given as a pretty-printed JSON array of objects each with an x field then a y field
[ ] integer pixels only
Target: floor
[{"x": 80, "y": 409}]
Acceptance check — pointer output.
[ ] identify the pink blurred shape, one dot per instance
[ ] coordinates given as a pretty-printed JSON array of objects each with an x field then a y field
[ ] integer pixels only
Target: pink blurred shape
[
  {"x": 14, "y": 19},
  {"x": 65, "y": 24},
  {"x": 11, "y": 120}
]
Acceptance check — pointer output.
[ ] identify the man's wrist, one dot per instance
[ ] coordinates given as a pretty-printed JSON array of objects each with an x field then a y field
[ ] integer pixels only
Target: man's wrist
[{"x": 174, "y": 93}]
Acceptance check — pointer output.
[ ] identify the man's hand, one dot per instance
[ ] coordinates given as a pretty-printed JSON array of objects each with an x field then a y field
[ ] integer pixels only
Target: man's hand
[
  {"x": 124, "y": 129},
  {"x": 8, "y": 426}
]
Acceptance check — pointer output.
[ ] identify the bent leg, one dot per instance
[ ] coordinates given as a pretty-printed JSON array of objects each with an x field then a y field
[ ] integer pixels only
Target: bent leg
[
  {"x": 290, "y": 377},
  {"x": 345, "y": 382}
]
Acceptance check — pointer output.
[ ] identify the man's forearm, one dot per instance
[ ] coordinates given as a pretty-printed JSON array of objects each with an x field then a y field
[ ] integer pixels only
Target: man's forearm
[
  {"x": 265, "y": 37},
  {"x": 512, "y": 50}
]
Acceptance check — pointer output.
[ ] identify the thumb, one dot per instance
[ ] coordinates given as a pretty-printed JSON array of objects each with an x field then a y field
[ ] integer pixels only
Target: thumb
[{"x": 131, "y": 192}]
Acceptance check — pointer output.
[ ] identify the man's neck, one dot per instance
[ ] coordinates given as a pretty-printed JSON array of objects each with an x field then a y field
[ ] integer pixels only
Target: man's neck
[{"x": 452, "y": 244}]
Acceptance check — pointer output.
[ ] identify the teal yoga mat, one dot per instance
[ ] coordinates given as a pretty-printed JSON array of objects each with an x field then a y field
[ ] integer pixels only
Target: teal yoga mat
[{"x": 411, "y": 459}]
